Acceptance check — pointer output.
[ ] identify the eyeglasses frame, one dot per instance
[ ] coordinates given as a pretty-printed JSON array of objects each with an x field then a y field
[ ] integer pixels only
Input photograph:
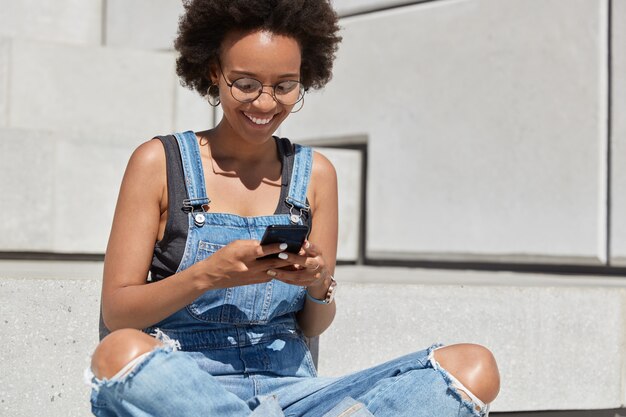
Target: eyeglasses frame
[{"x": 262, "y": 90}]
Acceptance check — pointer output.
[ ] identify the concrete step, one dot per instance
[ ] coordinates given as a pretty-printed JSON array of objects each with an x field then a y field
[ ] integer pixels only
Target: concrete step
[{"x": 558, "y": 340}]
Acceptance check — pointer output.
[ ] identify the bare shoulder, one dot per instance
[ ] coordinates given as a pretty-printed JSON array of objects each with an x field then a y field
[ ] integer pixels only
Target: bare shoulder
[
  {"x": 323, "y": 170},
  {"x": 323, "y": 182},
  {"x": 145, "y": 176},
  {"x": 149, "y": 156}
]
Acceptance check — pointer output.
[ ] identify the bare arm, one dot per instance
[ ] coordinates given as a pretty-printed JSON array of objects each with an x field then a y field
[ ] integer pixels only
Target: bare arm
[
  {"x": 127, "y": 299},
  {"x": 315, "y": 318}
]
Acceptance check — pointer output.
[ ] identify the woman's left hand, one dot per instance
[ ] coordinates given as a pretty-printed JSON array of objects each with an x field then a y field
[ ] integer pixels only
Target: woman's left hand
[{"x": 309, "y": 269}]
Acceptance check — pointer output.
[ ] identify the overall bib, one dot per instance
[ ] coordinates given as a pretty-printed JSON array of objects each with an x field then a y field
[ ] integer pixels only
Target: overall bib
[{"x": 246, "y": 330}]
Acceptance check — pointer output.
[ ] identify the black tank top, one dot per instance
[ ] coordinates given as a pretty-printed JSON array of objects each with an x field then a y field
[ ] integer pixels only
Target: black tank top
[{"x": 168, "y": 252}]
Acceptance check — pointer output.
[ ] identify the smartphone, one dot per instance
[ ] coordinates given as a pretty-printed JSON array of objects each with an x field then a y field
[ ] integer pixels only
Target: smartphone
[{"x": 291, "y": 234}]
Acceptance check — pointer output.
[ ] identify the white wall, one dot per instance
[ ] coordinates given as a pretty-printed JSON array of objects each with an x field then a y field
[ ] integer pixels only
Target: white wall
[
  {"x": 486, "y": 127},
  {"x": 488, "y": 145}
]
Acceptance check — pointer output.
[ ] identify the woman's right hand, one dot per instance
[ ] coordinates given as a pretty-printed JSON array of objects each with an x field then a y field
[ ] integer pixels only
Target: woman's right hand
[{"x": 238, "y": 264}]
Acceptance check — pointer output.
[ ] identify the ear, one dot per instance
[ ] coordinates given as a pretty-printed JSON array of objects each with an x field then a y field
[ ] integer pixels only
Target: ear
[{"x": 213, "y": 74}]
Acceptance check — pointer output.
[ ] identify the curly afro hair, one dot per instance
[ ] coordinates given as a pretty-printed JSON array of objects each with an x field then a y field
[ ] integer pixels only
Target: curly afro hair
[{"x": 313, "y": 23}]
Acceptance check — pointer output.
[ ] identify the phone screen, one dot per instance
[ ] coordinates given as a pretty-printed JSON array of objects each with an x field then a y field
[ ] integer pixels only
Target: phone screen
[{"x": 292, "y": 234}]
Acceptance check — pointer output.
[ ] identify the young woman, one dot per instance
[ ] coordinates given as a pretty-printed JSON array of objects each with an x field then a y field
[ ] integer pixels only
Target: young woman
[{"x": 229, "y": 321}]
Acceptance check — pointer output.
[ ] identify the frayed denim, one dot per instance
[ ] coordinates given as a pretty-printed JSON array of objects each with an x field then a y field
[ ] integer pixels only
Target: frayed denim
[{"x": 169, "y": 382}]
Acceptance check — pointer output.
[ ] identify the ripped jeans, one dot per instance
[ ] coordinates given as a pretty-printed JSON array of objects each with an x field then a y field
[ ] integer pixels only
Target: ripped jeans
[{"x": 169, "y": 382}]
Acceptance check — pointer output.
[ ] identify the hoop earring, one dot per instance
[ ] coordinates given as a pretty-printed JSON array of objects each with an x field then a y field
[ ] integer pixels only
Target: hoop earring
[
  {"x": 213, "y": 96},
  {"x": 299, "y": 108}
]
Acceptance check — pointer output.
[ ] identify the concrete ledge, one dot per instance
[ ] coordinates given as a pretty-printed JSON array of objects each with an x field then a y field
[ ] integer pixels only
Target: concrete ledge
[
  {"x": 48, "y": 328},
  {"x": 559, "y": 340}
]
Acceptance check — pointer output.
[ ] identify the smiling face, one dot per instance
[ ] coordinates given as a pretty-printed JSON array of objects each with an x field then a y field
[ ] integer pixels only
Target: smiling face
[{"x": 267, "y": 57}]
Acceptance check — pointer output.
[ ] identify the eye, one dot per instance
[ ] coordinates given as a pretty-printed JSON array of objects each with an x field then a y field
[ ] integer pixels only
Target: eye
[
  {"x": 247, "y": 85},
  {"x": 286, "y": 87}
]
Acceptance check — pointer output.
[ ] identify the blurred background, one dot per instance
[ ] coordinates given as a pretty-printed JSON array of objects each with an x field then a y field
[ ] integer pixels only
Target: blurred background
[{"x": 481, "y": 153}]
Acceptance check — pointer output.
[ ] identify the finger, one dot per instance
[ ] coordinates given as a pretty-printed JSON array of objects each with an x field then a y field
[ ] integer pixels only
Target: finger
[
  {"x": 271, "y": 249},
  {"x": 294, "y": 277},
  {"x": 311, "y": 263},
  {"x": 310, "y": 249},
  {"x": 292, "y": 258},
  {"x": 314, "y": 264},
  {"x": 271, "y": 263},
  {"x": 305, "y": 262}
]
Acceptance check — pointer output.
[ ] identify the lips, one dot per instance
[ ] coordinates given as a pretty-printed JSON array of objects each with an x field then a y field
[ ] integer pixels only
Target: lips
[{"x": 259, "y": 120}]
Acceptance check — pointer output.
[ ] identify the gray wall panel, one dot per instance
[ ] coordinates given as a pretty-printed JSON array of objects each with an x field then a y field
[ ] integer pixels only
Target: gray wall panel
[
  {"x": 347, "y": 7},
  {"x": 618, "y": 133},
  {"x": 103, "y": 89},
  {"x": 192, "y": 112},
  {"x": 348, "y": 166},
  {"x": 69, "y": 21},
  {"x": 27, "y": 187},
  {"x": 144, "y": 24},
  {"x": 88, "y": 177},
  {"x": 5, "y": 48},
  {"x": 59, "y": 189},
  {"x": 487, "y": 128}
]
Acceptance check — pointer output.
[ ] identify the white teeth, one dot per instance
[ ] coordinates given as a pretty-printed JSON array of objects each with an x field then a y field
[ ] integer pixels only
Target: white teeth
[{"x": 257, "y": 120}]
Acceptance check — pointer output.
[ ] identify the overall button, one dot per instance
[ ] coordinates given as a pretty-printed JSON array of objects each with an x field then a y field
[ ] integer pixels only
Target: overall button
[{"x": 199, "y": 219}]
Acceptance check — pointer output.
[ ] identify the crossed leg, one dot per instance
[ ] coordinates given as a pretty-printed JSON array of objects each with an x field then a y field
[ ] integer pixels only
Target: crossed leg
[
  {"x": 474, "y": 367},
  {"x": 119, "y": 349},
  {"x": 170, "y": 384}
]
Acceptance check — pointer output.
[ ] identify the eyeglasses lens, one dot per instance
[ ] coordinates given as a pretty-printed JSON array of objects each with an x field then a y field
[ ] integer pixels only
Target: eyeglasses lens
[{"x": 247, "y": 90}]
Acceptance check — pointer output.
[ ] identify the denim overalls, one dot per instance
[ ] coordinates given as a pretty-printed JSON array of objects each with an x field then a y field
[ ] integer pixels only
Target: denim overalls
[
  {"x": 233, "y": 327},
  {"x": 239, "y": 352}
]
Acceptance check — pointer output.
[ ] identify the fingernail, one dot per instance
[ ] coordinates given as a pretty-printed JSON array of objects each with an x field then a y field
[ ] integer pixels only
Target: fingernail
[
  {"x": 283, "y": 255},
  {"x": 283, "y": 246},
  {"x": 271, "y": 273},
  {"x": 307, "y": 244}
]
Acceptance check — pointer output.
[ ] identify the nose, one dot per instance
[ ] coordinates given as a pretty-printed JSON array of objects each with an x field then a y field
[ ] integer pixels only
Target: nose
[{"x": 265, "y": 100}]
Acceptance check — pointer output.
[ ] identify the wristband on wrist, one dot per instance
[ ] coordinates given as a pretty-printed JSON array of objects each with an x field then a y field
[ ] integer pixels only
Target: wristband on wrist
[{"x": 330, "y": 293}]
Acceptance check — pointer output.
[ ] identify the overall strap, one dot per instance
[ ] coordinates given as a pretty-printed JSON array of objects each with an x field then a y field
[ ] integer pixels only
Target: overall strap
[
  {"x": 285, "y": 148},
  {"x": 300, "y": 176},
  {"x": 192, "y": 169}
]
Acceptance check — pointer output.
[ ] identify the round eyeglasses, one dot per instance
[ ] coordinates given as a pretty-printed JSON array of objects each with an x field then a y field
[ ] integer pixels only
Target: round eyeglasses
[{"x": 246, "y": 90}]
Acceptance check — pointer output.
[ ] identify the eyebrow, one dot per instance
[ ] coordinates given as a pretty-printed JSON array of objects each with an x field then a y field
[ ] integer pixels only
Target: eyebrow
[{"x": 253, "y": 75}]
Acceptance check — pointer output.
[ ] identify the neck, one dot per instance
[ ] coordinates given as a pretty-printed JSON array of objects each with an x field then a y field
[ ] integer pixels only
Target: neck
[{"x": 225, "y": 144}]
